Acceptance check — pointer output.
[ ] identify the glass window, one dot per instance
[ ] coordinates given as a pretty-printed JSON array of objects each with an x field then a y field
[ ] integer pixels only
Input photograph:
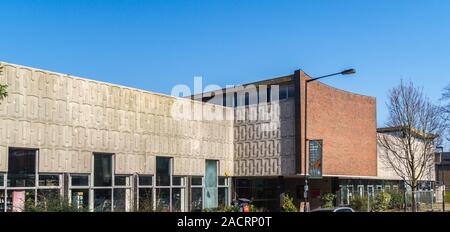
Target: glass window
[
  {"x": 2, "y": 201},
  {"x": 80, "y": 180},
  {"x": 145, "y": 199},
  {"x": 145, "y": 181},
  {"x": 247, "y": 99},
  {"x": 223, "y": 196},
  {"x": 197, "y": 180},
  {"x": 282, "y": 92},
  {"x": 223, "y": 181},
  {"x": 2, "y": 180},
  {"x": 18, "y": 200},
  {"x": 291, "y": 91},
  {"x": 80, "y": 198},
  {"x": 163, "y": 171},
  {"x": 48, "y": 180},
  {"x": 102, "y": 170},
  {"x": 120, "y": 196},
  {"x": 178, "y": 199},
  {"x": 121, "y": 181},
  {"x": 162, "y": 199},
  {"x": 197, "y": 199},
  {"x": 178, "y": 181},
  {"x": 21, "y": 168},
  {"x": 48, "y": 196},
  {"x": 102, "y": 200},
  {"x": 315, "y": 158}
]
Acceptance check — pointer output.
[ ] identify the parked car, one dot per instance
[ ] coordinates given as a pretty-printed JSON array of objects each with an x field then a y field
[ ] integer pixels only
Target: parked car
[{"x": 334, "y": 209}]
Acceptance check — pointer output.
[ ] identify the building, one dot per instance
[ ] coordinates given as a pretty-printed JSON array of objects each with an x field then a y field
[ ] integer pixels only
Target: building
[
  {"x": 107, "y": 147},
  {"x": 443, "y": 169},
  {"x": 269, "y": 154}
]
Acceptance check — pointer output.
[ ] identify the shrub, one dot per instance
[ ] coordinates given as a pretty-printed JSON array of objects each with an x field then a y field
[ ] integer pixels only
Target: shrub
[
  {"x": 55, "y": 204},
  {"x": 381, "y": 201},
  {"x": 287, "y": 204},
  {"x": 359, "y": 203},
  {"x": 397, "y": 201},
  {"x": 327, "y": 200}
]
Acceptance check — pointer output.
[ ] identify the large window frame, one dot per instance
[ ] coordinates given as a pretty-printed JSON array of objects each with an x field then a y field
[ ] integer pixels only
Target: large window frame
[
  {"x": 201, "y": 186},
  {"x": 144, "y": 187},
  {"x": 111, "y": 188},
  {"x": 35, "y": 190},
  {"x": 169, "y": 187}
]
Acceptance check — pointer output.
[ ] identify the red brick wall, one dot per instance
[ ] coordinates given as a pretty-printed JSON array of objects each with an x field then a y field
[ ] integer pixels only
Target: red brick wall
[{"x": 346, "y": 122}]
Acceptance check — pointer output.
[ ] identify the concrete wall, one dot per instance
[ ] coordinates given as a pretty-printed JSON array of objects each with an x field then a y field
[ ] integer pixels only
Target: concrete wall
[
  {"x": 385, "y": 170},
  {"x": 265, "y": 147},
  {"x": 68, "y": 118}
]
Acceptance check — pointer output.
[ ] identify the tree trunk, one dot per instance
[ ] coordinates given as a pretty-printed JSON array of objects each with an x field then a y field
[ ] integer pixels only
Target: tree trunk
[{"x": 413, "y": 201}]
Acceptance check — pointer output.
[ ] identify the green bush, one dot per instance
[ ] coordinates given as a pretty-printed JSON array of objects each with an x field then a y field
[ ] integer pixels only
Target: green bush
[
  {"x": 359, "y": 203},
  {"x": 327, "y": 200},
  {"x": 381, "y": 201},
  {"x": 287, "y": 204},
  {"x": 55, "y": 204},
  {"x": 397, "y": 200}
]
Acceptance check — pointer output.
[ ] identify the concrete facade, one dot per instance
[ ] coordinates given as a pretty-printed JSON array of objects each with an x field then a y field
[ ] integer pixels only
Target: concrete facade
[{"x": 68, "y": 118}]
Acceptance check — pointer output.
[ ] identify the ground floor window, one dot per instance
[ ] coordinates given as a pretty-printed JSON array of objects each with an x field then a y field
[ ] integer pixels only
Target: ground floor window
[
  {"x": 223, "y": 191},
  {"x": 196, "y": 193},
  {"x": 145, "y": 193}
]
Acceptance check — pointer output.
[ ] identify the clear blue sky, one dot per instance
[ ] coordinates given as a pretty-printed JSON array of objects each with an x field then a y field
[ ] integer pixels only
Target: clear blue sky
[{"x": 155, "y": 45}]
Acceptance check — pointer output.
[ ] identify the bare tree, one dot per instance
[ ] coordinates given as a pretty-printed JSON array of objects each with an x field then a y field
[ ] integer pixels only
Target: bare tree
[{"x": 415, "y": 124}]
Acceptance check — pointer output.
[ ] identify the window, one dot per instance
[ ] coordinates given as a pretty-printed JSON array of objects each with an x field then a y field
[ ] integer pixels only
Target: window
[
  {"x": 121, "y": 180},
  {"x": 22, "y": 168},
  {"x": 80, "y": 198},
  {"x": 361, "y": 190},
  {"x": 315, "y": 158},
  {"x": 145, "y": 181},
  {"x": 102, "y": 170},
  {"x": 223, "y": 190},
  {"x": 247, "y": 99},
  {"x": 283, "y": 92},
  {"x": 291, "y": 91},
  {"x": 395, "y": 188},
  {"x": 163, "y": 171},
  {"x": 145, "y": 193},
  {"x": 178, "y": 194},
  {"x": 80, "y": 180},
  {"x": 102, "y": 200},
  {"x": 196, "y": 193},
  {"x": 79, "y": 191},
  {"x": 2, "y": 193},
  {"x": 2, "y": 181},
  {"x": 48, "y": 180},
  {"x": 169, "y": 190}
]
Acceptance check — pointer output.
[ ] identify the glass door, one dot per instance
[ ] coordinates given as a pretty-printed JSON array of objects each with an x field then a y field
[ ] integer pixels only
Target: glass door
[{"x": 211, "y": 200}]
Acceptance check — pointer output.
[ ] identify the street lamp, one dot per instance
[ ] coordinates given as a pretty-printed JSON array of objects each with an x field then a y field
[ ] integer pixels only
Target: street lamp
[{"x": 345, "y": 72}]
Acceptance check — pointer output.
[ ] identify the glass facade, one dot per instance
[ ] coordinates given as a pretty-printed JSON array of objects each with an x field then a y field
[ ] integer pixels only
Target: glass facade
[{"x": 103, "y": 190}]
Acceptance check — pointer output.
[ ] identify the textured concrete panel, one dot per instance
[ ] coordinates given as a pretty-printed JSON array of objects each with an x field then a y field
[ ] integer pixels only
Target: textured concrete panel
[
  {"x": 68, "y": 118},
  {"x": 264, "y": 145}
]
